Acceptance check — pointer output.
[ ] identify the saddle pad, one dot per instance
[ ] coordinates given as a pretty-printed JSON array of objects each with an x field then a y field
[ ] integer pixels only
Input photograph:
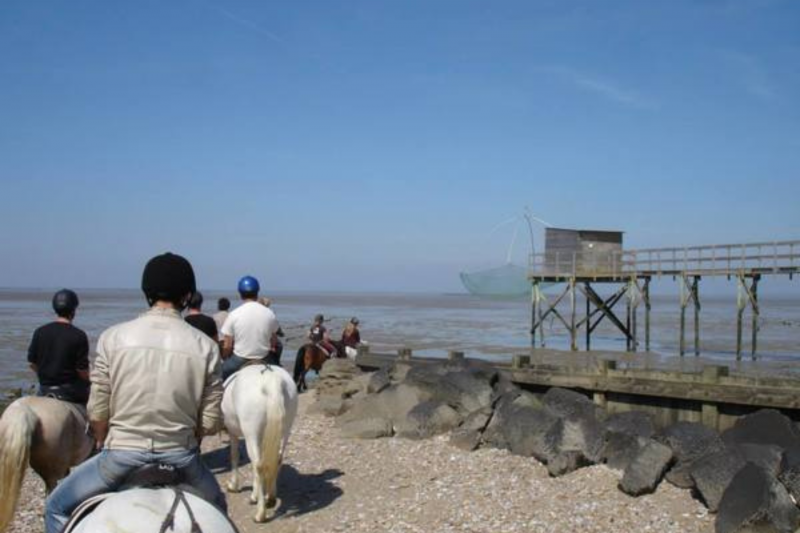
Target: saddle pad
[{"x": 85, "y": 509}]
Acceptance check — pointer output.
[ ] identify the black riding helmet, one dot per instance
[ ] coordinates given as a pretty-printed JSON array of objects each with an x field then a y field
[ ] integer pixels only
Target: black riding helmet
[
  {"x": 168, "y": 277},
  {"x": 65, "y": 302}
]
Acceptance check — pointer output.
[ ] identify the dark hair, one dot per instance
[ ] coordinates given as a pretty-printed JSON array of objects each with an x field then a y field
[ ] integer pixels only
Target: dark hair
[
  {"x": 196, "y": 301},
  {"x": 249, "y": 295},
  {"x": 223, "y": 304}
]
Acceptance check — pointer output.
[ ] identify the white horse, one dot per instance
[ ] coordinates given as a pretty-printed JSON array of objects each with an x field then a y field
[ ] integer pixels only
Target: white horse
[
  {"x": 259, "y": 404},
  {"x": 48, "y": 434},
  {"x": 150, "y": 510}
]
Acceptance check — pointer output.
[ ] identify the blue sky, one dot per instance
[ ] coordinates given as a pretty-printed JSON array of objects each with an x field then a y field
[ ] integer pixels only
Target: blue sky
[{"x": 373, "y": 145}]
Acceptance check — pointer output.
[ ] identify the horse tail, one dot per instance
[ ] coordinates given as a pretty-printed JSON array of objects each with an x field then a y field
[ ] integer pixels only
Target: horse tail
[
  {"x": 272, "y": 438},
  {"x": 16, "y": 432}
]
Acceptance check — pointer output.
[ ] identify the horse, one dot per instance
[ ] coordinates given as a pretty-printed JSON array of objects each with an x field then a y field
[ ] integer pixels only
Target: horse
[
  {"x": 149, "y": 509},
  {"x": 259, "y": 404},
  {"x": 310, "y": 356},
  {"x": 49, "y": 434}
]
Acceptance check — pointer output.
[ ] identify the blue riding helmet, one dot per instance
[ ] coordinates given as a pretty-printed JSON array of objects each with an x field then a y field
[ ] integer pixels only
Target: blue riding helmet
[{"x": 248, "y": 284}]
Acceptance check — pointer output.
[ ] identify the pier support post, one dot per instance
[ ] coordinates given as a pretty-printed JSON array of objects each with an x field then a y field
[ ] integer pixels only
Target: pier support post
[
  {"x": 520, "y": 361},
  {"x": 684, "y": 302},
  {"x": 646, "y": 297},
  {"x": 455, "y": 356},
  {"x": 696, "y": 298},
  {"x": 741, "y": 302},
  {"x": 404, "y": 354},
  {"x": 573, "y": 330},
  {"x": 756, "y": 314}
]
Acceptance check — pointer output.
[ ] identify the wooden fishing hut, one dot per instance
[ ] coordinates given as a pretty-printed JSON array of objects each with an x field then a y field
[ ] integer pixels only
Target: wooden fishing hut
[{"x": 581, "y": 259}]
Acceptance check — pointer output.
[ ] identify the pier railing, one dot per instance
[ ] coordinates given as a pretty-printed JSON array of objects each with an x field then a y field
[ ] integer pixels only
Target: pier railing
[{"x": 779, "y": 257}]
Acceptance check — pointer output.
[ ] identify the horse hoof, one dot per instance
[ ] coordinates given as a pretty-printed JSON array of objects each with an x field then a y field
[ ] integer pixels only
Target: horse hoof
[
  {"x": 253, "y": 500},
  {"x": 232, "y": 488},
  {"x": 260, "y": 518},
  {"x": 272, "y": 502}
]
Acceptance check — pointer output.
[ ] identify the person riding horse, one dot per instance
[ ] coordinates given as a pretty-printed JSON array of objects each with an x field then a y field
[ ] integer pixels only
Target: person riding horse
[
  {"x": 156, "y": 391},
  {"x": 59, "y": 353},
  {"x": 250, "y": 330}
]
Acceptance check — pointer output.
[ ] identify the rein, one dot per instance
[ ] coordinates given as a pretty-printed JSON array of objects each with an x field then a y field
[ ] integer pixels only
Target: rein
[{"x": 169, "y": 520}]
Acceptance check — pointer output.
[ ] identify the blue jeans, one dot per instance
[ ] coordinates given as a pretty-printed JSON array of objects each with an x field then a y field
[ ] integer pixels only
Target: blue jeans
[
  {"x": 106, "y": 471},
  {"x": 232, "y": 364}
]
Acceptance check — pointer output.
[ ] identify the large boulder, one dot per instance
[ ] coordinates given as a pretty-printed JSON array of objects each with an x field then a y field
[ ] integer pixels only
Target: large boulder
[
  {"x": 689, "y": 441},
  {"x": 525, "y": 430},
  {"x": 566, "y": 462},
  {"x": 766, "y": 426},
  {"x": 790, "y": 473},
  {"x": 428, "y": 419},
  {"x": 379, "y": 381},
  {"x": 578, "y": 433},
  {"x": 635, "y": 423},
  {"x": 392, "y": 405},
  {"x": 756, "y": 501},
  {"x": 644, "y": 473},
  {"x": 566, "y": 403},
  {"x": 620, "y": 449},
  {"x": 367, "y": 428},
  {"x": 468, "y": 435},
  {"x": 465, "y": 390},
  {"x": 713, "y": 473}
]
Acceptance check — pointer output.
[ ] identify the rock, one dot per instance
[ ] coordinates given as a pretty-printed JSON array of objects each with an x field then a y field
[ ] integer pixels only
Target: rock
[
  {"x": 620, "y": 449},
  {"x": 378, "y": 381},
  {"x": 525, "y": 431},
  {"x": 689, "y": 441},
  {"x": 566, "y": 462},
  {"x": 392, "y": 404},
  {"x": 644, "y": 473},
  {"x": 468, "y": 435},
  {"x": 428, "y": 419},
  {"x": 756, "y": 501},
  {"x": 790, "y": 473},
  {"x": 565, "y": 403},
  {"x": 581, "y": 433},
  {"x": 329, "y": 406},
  {"x": 766, "y": 426},
  {"x": 766, "y": 456},
  {"x": 367, "y": 428},
  {"x": 635, "y": 423},
  {"x": 341, "y": 369},
  {"x": 494, "y": 435},
  {"x": 713, "y": 473},
  {"x": 464, "y": 390}
]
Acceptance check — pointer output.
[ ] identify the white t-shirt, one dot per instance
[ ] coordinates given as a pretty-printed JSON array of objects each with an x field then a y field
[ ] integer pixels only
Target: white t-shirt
[{"x": 251, "y": 325}]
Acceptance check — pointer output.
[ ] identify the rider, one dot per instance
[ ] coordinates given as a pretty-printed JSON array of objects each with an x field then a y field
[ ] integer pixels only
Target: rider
[
  {"x": 351, "y": 338},
  {"x": 223, "y": 306},
  {"x": 59, "y": 353},
  {"x": 196, "y": 318},
  {"x": 318, "y": 334},
  {"x": 249, "y": 331},
  {"x": 156, "y": 390}
]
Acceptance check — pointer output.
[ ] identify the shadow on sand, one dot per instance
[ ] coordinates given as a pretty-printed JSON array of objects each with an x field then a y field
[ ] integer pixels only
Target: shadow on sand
[{"x": 298, "y": 493}]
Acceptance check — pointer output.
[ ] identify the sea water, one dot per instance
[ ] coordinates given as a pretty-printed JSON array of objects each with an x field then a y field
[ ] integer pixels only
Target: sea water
[{"x": 430, "y": 324}]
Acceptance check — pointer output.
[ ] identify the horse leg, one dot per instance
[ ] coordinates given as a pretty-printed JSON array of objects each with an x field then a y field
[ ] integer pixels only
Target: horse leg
[
  {"x": 254, "y": 452},
  {"x": 233, "y": 482}
]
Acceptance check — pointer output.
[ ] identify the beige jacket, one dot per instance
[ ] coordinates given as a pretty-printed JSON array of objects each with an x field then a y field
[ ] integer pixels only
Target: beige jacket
[{"x": 155, "y": 379}]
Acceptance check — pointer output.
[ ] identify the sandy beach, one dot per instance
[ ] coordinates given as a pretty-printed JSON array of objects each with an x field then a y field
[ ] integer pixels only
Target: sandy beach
[{"x": 396, "y": 485}]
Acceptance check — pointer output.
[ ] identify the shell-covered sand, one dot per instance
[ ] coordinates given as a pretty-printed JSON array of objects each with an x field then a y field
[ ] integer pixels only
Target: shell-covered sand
[{"x": 332, "y": 484}]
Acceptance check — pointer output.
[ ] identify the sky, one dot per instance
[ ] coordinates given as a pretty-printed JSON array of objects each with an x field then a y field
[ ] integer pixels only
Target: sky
[{"x": 374, "y": 145}]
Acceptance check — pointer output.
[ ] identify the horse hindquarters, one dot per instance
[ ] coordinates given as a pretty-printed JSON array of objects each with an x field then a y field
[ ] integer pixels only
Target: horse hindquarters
[{"x": 16, "y": 432}]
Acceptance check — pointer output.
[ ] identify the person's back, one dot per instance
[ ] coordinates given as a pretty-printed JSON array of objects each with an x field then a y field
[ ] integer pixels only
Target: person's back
[
  {"x": 59, "y": 353},
  {"x": 223, "y": 310},
  {"x": 250, "y": 331},
  {"x": 252, "y": 326},
  {"x": 136, "y": 363},
  {"x": 198, "y": 320}
]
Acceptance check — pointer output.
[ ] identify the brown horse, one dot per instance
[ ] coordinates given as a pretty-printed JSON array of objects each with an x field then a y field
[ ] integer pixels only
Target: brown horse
[
  {"x": 309, "y": 357},
  {"x": 47, "y": 433}
]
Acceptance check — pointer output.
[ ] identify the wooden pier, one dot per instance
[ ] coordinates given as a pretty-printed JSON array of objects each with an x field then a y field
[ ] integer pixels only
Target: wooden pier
[
  {"x": 671, "y": 389},
  {"x": 630, "y": 272}
]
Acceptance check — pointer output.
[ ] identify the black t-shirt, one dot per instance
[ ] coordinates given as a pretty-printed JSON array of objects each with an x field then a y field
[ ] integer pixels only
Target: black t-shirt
[
  {"x": 59, "y": 350},
  {"x": 317, "y": 333},
  {"x": 204, "y": 323}
]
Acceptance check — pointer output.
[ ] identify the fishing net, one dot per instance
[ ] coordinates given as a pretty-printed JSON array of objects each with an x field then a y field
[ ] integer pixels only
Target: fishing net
[{"x": 505, "y": 281}]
